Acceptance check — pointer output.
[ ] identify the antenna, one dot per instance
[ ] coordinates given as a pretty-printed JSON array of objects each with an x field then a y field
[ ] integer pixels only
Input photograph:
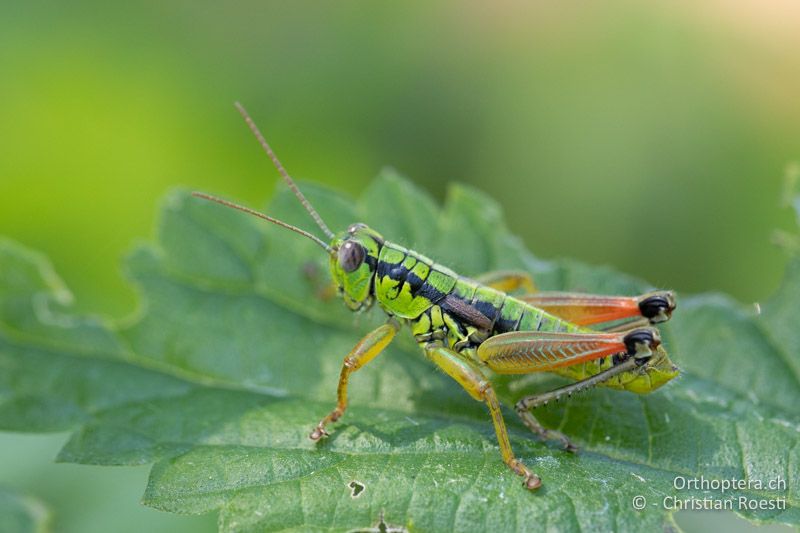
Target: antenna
[
  {"x": 285, "y": 175},
  {"x": 265, "y": 217}
]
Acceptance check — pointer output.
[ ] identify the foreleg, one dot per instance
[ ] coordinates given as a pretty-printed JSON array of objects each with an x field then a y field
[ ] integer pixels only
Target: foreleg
[{"x": 367, "y": 349}]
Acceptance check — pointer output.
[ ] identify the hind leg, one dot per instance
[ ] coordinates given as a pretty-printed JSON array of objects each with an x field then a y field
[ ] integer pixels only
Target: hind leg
[
  {"x": 627, "y": 363},
  {"x": 534, "y": 425},
  {"x": 470, "y": 377}
]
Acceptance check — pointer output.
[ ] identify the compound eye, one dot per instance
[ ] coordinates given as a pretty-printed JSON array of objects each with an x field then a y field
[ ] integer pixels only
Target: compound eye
[{"x": 351, "y": 255}]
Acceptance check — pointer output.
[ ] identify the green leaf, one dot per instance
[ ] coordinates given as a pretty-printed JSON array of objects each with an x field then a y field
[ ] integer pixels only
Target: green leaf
[
  {"x": 22, "y": 514},
  {"x": 233, "y": 357}
]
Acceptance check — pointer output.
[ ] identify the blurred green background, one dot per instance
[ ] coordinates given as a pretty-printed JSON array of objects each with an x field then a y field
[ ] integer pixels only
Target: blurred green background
[{"x": 653, "y": 137}]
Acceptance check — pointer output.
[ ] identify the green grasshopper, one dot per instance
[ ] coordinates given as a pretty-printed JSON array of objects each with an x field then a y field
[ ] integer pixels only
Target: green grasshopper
[{"x": 470, "y": 326}]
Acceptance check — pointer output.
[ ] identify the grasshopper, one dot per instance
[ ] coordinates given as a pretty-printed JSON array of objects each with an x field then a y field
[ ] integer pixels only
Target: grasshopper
[{"x": 468, "y": 327}]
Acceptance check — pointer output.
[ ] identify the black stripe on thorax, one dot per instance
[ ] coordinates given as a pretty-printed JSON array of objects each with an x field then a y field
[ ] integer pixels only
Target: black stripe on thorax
[
  {"x": 431, "y": 293},
  {"x": 384, "y": 269},
  {"x": 401, "y": 274}
]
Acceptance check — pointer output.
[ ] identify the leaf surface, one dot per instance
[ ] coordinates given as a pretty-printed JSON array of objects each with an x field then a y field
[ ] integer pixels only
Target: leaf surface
[{"x": 233, "y": 357}]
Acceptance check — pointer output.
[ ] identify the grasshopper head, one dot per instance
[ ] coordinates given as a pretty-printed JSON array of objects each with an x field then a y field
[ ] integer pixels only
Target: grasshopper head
[{"x": 354, "y": 258}]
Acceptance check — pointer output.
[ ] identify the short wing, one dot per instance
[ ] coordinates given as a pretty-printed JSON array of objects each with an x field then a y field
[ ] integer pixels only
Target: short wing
[
  {"x": 522, "y": 352},
  {"x": 591, "y": 309}
]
